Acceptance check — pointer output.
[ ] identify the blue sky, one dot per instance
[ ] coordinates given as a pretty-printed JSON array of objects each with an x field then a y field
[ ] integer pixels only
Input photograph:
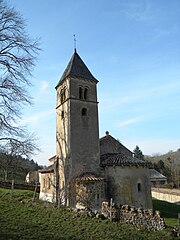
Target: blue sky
[{"x": 131, "y": 47}]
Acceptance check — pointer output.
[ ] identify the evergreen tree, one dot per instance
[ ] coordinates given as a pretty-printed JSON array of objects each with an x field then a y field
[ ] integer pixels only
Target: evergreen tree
[{"x": 138, "y": 153}]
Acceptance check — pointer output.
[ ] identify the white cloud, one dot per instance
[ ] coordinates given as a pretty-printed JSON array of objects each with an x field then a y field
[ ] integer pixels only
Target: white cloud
[
  {"x": 37, "y": 118},
  {"x": 48, "y": 149},
  {"x": 139, "y": 10},
  {"x": 44, "y": 87},
  {"x": 129, "y": 121},
  {"x": 110, "y": 102}
]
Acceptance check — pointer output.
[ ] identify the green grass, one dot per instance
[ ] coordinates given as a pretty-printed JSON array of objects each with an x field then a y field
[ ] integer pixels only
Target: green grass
[
  {"x": 19, "y": 219},
  {"x": 169, "y": 211}
]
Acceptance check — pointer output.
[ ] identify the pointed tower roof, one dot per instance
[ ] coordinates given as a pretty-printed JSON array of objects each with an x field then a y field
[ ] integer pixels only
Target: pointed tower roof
[{"x": 77, "y": 68}]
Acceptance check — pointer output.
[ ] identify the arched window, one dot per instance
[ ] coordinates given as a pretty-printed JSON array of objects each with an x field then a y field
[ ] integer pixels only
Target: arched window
[
  {"x": 63, "y": 95},
  {"x": 62, "y": 114},
  {"x": 139, "y": 187},
  {"x": 80, "y": 92},
  {"x": 84, "y": 112},
  {"x": 85, "y": 94}
]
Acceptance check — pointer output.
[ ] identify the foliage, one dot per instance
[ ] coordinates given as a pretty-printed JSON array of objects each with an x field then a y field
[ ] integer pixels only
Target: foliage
[
  {"x": 169, "y": 211},
  {"x": 17, "y": 58},
  {"x": 138, "y": 153},
  {"x": 169, "y": 165},
  {"x": 16, "y": 167},
  {"x": 19, "y": 219}
]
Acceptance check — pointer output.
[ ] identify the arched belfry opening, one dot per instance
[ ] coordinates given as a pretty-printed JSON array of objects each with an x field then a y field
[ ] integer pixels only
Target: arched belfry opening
[
  {"x": 84, "y": 112},
  {"x": 85, "y": 94},
  {"x": 80, "y": 93},
  {"x": 87, "y": 170},
  {"x": 77, "y": 147}
]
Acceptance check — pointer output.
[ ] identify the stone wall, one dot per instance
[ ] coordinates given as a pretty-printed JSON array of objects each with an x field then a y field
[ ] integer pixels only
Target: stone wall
[
  {"x": 129, "y": 185},
  {"x": 146, "y": 219},
  {"x": 47, "y": 186},
  {"x": 165, "y": 194},
  {"x": 140, "y": 218}
]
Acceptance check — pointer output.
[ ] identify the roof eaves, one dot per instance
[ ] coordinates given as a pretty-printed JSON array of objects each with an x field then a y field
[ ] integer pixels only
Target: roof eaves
[{"x": 77, "y": 68}]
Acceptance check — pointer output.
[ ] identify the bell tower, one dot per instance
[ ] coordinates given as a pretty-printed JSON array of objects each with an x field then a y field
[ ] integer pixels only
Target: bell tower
[{"x": 77, "y": 129}]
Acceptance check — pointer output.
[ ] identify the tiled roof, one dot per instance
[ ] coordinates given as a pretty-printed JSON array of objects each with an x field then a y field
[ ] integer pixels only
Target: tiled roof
[
  {"x": 111, "y": 159},
  {"x": 109, "y": 138},
  {"x": 156, "y": 175},
  {"x": 48, "y": 169},
  {"x": 87, "y": 177},
  {"x": 77, "y": 68}
]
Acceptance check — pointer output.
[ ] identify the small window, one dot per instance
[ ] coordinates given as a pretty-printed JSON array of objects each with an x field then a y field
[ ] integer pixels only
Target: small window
[
  {"x": 97, "y": 199},
  {"x": 62, "y": 114},
  {"x": 85, "y": 94},
  {"x": 44, "y": 183},
  {"x": 139, "y": 187},
  {"x": 63, "y": 95},
  {"x": 80, "y": 93},
  {"x": 84, "y": 112},
  {"x": 49, "y": 183}
]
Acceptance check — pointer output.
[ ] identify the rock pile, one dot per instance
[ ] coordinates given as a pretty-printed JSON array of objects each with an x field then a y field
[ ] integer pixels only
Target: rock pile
[
  {"x": 105, "y": 210},
  {"x": 142, "y": 218},
  {"x": 138, "y": 217}
]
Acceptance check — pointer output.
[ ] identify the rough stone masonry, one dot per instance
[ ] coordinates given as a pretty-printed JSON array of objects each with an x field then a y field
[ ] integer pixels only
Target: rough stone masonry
[{"x": 146, "y": 219}]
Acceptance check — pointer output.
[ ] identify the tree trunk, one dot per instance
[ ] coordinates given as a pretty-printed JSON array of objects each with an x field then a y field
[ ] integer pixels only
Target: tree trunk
[{"x": 5, "y": 175}]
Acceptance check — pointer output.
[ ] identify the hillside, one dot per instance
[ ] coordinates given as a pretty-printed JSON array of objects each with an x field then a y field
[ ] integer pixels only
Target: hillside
[
  {"x": 167, "y": 158},
  {"x": 168, "y": 164},
  {"x": 20, "y": 219},
  {"x": 16, "y": 167}
]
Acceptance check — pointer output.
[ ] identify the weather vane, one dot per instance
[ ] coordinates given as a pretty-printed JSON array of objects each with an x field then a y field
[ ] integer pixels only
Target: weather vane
[{"x": 74, "y": 41}]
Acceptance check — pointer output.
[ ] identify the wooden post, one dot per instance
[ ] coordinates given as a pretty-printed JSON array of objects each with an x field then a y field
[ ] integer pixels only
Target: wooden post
[
  {"x": 110, "y": 210},
  {"x": 179, "y": 220},
  {"x": 12, "y": 188},
  {"x": 35, "y": 190}
]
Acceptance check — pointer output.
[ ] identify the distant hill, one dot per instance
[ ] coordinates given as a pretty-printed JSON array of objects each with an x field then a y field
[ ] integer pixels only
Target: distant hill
[
  {"x": 16, "y": 167},
  {"x": 167, "y": 158},
  {"x": 168, "y": 164}
]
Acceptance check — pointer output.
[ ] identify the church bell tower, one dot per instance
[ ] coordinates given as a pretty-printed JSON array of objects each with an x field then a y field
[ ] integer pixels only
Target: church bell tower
[{"x": 77, "y": 130}]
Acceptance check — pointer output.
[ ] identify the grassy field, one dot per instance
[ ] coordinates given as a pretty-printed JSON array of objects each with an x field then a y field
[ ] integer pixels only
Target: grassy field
[
  {"x": 169, "y": 211},
  {"x": 19, "y": 219}
]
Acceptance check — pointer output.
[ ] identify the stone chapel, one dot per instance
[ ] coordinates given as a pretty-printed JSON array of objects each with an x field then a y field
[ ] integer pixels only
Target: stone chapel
[{"x": 86, "y": 169}]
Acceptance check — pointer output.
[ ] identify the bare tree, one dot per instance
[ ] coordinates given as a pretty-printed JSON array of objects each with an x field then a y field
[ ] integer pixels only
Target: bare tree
[{"x": 17, "y": 58}]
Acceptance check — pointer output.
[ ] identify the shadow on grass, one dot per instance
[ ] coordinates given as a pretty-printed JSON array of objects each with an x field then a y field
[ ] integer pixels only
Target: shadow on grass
[
  {"x": 167, "y": 210},
  {"x": 8, "y": 236}
]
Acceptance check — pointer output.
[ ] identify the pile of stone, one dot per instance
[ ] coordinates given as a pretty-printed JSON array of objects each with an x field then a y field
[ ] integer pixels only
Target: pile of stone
[
  {"x": 146, "y": 219},
  {"x": 175, "y": 232},
  {"x": 140, "y": 218},
  {"x": 87, "y": 212},
  {"x": 109, "y": 212}
]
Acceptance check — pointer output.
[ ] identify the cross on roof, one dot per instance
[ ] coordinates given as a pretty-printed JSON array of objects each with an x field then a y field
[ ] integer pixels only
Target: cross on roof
[{"x": 75, "y": 42}]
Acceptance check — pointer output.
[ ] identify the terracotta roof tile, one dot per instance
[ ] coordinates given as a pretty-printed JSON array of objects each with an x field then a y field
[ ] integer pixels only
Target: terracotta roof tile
[
  {"x": 88, "y": 177},
  {"x": 111, "y": 159},
  {"x": 48, "y": 169}
]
